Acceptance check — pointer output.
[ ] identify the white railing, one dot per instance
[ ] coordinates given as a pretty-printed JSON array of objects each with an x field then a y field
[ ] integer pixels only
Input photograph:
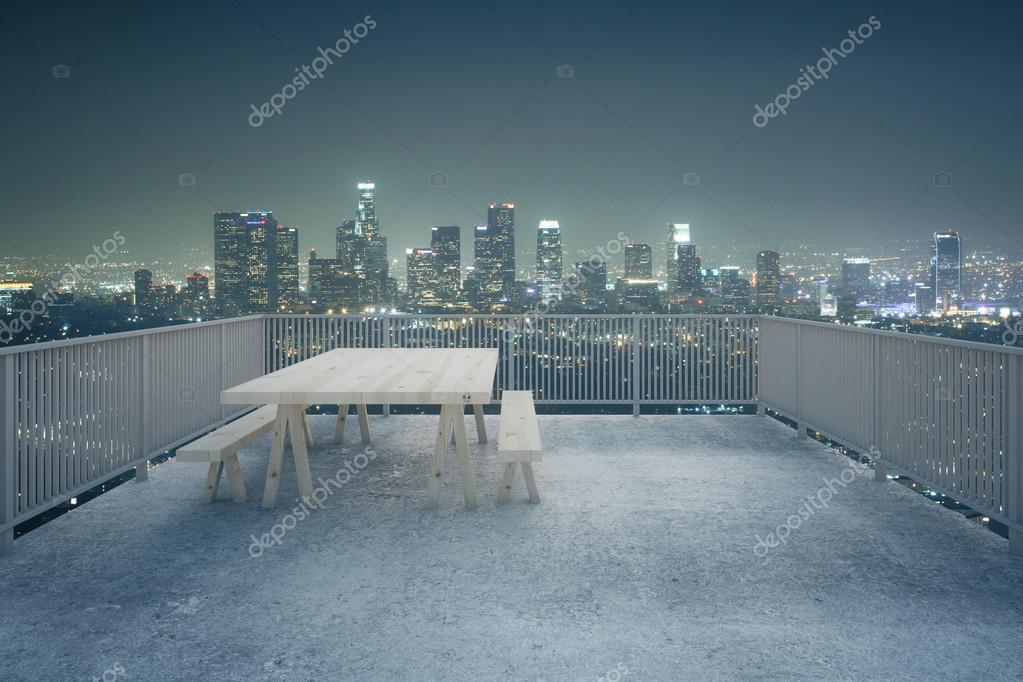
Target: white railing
[
  {"x": 945, "y": 413},
  {"x": 563, "y": 359},
  {"x": 75, "y": 413}
]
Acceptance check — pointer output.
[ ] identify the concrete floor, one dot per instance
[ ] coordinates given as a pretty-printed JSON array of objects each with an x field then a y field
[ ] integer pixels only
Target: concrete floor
[{"x": 642, "y": 563}]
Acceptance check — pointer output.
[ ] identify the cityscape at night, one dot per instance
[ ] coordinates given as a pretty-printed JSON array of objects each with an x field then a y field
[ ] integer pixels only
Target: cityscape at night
[{"x": 511, "y": 341}]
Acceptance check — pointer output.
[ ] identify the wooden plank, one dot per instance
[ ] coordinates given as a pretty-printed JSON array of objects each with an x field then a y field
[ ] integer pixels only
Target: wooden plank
[
  {"x": 519, "y": 436},
  {"x": 339, "y": 427},
  {"x": 235, "y": 479},
  {"x": 464, "y": 463},
  {"x": 212, "y": 481},
  {"x": 405, "y": 376},
  {"x": 363, "y": 421},
  {"x": 534, "y": 494},
  {"x": 230, "y": 437},
  {"x": 481, "y": 424},
  {"x": 507, "y": 479},
  {"x": 299, "y": 452},
  {"x": 440, "y": 450},
  {"x": 273, "y": 467}
]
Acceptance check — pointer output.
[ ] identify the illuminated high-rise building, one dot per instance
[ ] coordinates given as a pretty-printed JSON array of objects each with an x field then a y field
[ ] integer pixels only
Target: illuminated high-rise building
[
  {"x": 687, "y": 268},
  {"x": 947, "y": 266},
  {"x": 638, "y": 261},
  {"x": 549, "y": 267},
  {"x": 143, "y": 287},
  {"x": 446, "y": 244},
  {"x": 768, "y": 280},
  {"x": 346, "y": 234},
  {"x": 678, "y": 234},
  {"x": 366, "y": 213},
  {"x": 501, "y": 229},
  {"x": 261, "y": 261},
  {"x": 422, "y": 281},
  {"x": 589, "y": 281},
  {"x": 230, "y": 245},
  {"x": 287, "y": 265}
]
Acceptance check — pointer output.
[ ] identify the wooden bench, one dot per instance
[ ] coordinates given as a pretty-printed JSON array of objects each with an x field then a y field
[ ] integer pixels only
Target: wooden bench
[
  {"x": 221, "y": 447},
  {"x": 518, "y": 442}
]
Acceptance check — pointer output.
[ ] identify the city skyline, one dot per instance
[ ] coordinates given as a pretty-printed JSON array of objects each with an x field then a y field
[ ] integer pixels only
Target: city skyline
[{"x": 886, "y": 175}]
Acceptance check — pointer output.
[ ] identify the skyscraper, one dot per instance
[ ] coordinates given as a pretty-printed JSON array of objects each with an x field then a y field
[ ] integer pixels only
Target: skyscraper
[
  {"x": 230, "y": 244},
  {"x": 346, "y": 235},
  {"x": 366, "y": 214},
  {"x": 501, "y": 228},
  {"x": 678, "y": 234},
  {"x": 197, "y": 294},
  {"x": 143, "y": 287},
  {"x": 768, "y": 280},
  {"x": 261, "y": 271},
  {"x": 687, "y": 268},
  {"x": 589, "y": 281},
  {"x": 332, "y": 286},
  {"x": 855, "y": 278},
  {"x": 947, "y": 269},
  {"x": 446, "y": 244},
  {"x": 422, "y": 282},
  {"x": 549, "y": 268},
  {"x": 638, "y": 261},
  {"x": 494, "y": 254},
  {"x": 287, "y": 265}
]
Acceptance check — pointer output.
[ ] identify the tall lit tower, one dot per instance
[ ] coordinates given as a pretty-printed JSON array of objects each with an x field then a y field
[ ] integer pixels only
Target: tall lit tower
[
  {"x": 768, "y": 279},
  {"x": 366, "y": 215},
  {"x": 549, "y": 269},
  {"x": 287, "y": 265},
  {"x": 678, "y": 234},
  {"x": 947, "y": 269},
  {"x": 501, "y": 229},
  {"x": 638, "y": 261},
  {"x": 446, "y": 244}
]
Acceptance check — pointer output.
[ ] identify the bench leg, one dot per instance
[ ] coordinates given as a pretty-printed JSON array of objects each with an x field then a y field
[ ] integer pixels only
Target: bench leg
[
  {"x": 464, "y": 462},
  {"x": 363, "y": 422},
  {"x": 481, "y": 425},
  {"x": 440, "y": 450},
  {"x": 299, "y": 452},
  {"x": 339, "y": 428},
  {"x": 506, "y": 483},
  {"x": 273, "y": 467},
  {"x": 308, "y": 431},
  {"x": 527, "y": 471},
  {"x": 234, "y": 478},
  {"x": 209, "y": 492}
]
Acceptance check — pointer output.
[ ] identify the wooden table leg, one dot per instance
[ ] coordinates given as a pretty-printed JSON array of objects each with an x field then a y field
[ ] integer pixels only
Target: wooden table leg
[
  {"x": 235, "y": 479},
  {"x": 308, "y": 430},
  {"x": 464, "y": 462},
  {"x": 299, "y": 451},
  {"x": 481, "y": 425},
  {"x": 273, "y": 467},
  {"x": 440, "y": 450},
  {"x": 363, "y": 422},
  {"x": 212, "y": 482},
  {"x": 339, "y": 428}
]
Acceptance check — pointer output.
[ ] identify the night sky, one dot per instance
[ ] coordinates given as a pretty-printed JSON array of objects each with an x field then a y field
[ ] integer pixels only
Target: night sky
[{"x": 470, "y": 89}]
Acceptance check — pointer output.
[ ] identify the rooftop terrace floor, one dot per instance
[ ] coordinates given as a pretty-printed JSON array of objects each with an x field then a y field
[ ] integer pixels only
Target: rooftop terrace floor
[{"x": 638, "y": 565}]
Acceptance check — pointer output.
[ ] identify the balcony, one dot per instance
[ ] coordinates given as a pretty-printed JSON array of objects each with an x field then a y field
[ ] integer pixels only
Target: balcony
[{"x": 667, "y": 547}]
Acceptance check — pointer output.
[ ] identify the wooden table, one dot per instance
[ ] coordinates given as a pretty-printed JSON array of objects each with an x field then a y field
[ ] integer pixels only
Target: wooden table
[{"x": 451, "y": 378}]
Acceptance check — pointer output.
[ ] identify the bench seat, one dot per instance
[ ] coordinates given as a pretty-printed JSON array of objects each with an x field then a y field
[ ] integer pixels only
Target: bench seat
[{"x": 518, "y": 442}]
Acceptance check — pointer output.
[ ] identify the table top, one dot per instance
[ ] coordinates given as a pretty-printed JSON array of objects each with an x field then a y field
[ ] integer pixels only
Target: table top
[{"x": 372, "y": 376}]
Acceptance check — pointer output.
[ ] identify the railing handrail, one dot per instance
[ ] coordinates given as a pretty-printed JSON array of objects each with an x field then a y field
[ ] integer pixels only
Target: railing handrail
[
  {"x": 924, "y": 338},
  {"x": 93, "y": 338}
]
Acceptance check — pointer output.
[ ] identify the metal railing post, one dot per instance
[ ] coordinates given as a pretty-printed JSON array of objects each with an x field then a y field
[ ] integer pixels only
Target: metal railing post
[
  {"x": 1014, "y": 451},
  {"x": 385, "y": 324},
  {"x": 8, "y": 449},
  {"x": 800, "y": 425},
  {"x": 146, "y": 408},
  {"x": 880, "y": 469},
  {"x": 635, "y": 365}
]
